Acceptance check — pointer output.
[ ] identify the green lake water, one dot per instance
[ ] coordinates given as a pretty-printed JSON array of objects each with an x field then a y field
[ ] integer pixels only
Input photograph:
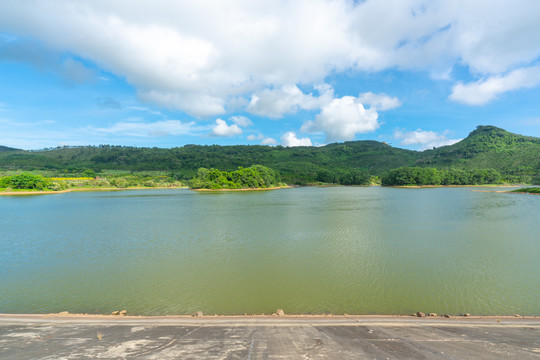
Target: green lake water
[{"x": 354, "y": 250}]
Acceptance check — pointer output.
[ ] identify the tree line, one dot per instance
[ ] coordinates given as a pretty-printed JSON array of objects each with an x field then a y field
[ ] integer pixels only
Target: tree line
[
  {"x": 256, "y": 176},
  {"x": 404, "y": 176},
  {"x": 515, "y": 157}
]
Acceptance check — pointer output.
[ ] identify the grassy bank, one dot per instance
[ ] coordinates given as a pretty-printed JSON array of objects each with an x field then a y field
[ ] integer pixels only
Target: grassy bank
[{"x": 528, "y": 190}]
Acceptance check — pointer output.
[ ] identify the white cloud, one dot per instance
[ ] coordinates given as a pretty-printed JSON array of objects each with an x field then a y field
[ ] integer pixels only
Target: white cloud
[
  {"x": 133, "y": 127},
  {"x": 484, "y": 91},
  {"x": 290, "y": 139},
  {"x": 192, "y": 103},
  {"x": 204, "y": 56},
  {"x": 342, "y": 119},
  {"x": 426, "y": 139},
  {"x": 269, "y": 141},
  {"x": 224, "y": 130},
  {"x": 145, "y": 109},
  {"x": 274, "y": 103},
  {"x": 254, "y": 137},
  {"x": 241, "y": 121},
  {"x": 264, "y": 140},
  {"x": 379, "y": 102}
]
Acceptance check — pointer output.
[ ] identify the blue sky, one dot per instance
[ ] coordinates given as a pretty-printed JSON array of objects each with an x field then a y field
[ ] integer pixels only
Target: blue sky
[{"x": 415, "y": 74}]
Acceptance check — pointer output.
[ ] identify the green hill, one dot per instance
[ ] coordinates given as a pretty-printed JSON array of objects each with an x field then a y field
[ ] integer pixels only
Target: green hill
[
  {"x": 516, "y": 157},
  {"x": 5, "y": 148},
  {"x": 488, "y": 147},
  {"x": 296, "y": 165}
]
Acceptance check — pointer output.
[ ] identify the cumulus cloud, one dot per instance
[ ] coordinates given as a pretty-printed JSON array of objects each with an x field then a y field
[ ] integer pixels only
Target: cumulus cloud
[
  {"x": 224, "y": 130},
  {"x": 134, "y": 127},
  {"x": 268, "y": 141},
  {"x": 264, "y": 140},
  {"x": 426, "y": 139},
  {"x": 254, "y": 137},
  {"x": 484, "y": 91},
  {"x": 198, "y": 56},
  {"x": 342, "y": 119},
  {"x": 274, "y": 103},
  {"x": 193, "y": 103},
  {"x": 290, "y": 139},
  {"x": 379, "y": 101},
  {"x": 241, "y": 121}
]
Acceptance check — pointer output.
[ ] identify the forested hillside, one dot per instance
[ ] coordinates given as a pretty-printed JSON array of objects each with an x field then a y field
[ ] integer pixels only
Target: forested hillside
[
  {"x": 488, "y": 147},
  {"x": 515, "y": 157}
]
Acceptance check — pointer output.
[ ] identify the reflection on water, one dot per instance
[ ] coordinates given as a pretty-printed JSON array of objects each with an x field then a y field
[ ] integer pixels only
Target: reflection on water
[{"x": 307, "y": 250}]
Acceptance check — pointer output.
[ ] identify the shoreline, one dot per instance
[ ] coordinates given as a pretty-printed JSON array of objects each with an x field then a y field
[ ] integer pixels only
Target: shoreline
[
  {"x": 247, "y": 189},
  {"x": 97, "y": 189},
  {"x": 48, "y": 192},
  {"x": 454, "y": 186},
  {"x": 82, "y": 316}
]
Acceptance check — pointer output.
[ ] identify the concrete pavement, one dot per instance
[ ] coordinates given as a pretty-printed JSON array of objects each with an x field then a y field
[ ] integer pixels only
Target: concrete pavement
[{"x": 258, "y": 337}]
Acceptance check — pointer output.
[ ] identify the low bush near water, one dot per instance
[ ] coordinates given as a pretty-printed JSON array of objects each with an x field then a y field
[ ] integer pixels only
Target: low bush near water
[{"x": 531, "y": 190}]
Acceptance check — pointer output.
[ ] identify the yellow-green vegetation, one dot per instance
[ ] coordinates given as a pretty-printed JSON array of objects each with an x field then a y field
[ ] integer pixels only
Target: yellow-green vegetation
[
  {"x": 529, "y": 190},
  {"x": 253, "y": 177},
  {"x": 36, "y": 182}
]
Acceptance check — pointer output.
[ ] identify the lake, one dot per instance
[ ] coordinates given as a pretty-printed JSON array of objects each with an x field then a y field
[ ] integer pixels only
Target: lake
[{"x": 353, "y": 250}]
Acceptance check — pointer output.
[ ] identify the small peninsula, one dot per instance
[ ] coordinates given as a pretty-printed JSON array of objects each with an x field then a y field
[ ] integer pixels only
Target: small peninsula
[
  {"x": 528, "y": 190},
  {"x": 255, "y": 177}
]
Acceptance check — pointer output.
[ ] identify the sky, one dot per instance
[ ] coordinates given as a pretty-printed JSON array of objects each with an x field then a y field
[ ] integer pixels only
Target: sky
[{"x": 165, "y": 73}]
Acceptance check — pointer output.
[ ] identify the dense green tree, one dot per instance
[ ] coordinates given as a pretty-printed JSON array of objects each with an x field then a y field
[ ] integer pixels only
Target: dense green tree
[
  {"x": 256, "y": 176},
  {"x": 25, "y": 181},
  {"x": 406, "y": 176}
]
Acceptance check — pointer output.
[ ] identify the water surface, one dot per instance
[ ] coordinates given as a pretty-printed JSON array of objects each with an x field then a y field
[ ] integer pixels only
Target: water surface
[{"x": 355, "y": 250}]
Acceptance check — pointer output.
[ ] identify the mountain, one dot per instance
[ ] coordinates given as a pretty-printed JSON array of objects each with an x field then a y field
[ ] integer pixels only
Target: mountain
[
  {"x": 487, "y": 147},
  {"x": 5, "y": 148},
  {"x": 296, "y": 164}
]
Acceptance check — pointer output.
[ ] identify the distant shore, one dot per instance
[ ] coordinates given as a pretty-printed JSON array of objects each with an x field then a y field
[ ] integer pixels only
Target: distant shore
[
  {"x": 458, "y": 186},
  {"x": 247, "y": 189},
  {"x": 45, "y": 192}
]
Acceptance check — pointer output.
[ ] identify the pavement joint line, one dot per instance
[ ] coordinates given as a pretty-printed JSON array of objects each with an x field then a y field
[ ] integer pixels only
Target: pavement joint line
[{"x": 250, "y": 349}]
